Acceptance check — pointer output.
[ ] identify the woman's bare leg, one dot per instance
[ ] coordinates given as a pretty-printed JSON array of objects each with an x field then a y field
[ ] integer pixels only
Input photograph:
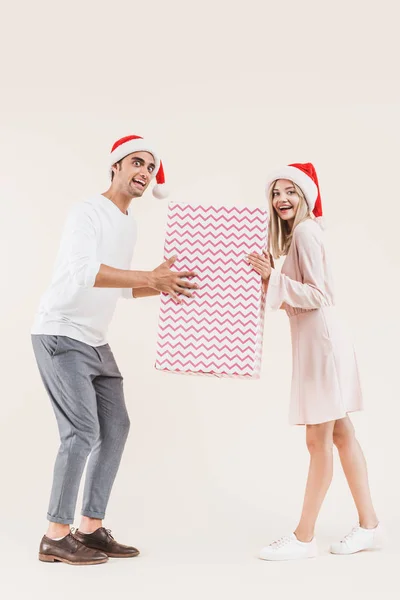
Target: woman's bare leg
[
  {"x": 319, "y": 440},
  {"x": 355, "y": 470}
]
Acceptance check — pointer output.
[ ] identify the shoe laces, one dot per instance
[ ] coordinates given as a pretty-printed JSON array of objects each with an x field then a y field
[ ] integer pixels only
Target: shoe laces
[
  {"x": 283, "y": 541},
  {"x": 108, "y": 532},
  {"x": 76, "y": 543},
  {"x": 351, "y": 534}
]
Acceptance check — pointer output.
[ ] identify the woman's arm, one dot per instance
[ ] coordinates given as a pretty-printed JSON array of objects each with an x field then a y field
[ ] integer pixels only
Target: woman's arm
[{"x": 309, "y": 293}]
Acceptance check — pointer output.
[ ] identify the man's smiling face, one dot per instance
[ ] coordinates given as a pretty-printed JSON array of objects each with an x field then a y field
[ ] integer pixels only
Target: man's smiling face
[{"x": 133, "y": 174}]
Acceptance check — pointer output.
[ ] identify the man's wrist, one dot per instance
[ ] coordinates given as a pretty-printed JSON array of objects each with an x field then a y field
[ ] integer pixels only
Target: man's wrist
[{"x": 150, "y": 280}]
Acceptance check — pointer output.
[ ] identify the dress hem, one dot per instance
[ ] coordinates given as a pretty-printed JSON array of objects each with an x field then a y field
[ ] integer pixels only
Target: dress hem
[{"x": 294, "y": 424}]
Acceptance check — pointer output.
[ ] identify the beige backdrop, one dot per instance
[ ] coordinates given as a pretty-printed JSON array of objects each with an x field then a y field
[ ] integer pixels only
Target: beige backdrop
[{"x": 212, "y": 471}]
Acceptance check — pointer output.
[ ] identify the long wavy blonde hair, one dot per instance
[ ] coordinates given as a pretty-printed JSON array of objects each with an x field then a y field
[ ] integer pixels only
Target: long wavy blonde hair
[{"x": 280, "y": 235}]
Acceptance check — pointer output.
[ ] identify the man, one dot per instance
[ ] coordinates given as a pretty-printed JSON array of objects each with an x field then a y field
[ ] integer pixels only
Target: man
[{"x": 75, "y": 362}]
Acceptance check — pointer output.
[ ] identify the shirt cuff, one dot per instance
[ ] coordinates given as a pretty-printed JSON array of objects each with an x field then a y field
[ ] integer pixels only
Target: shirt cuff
[
  {"x": 91, "y": 273},
  {"x": 273, "y": 296},
  {"x": 127, "y": 293}
]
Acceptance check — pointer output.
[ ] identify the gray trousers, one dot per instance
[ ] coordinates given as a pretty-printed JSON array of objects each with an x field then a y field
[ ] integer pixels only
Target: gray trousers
[{"x": 86, "y": 391}]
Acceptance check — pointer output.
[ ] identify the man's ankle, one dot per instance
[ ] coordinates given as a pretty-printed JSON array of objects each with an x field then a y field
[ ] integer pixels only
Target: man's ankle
[
  {"x": 89, "y": 525},
  {"x": 57, "y": 530}
]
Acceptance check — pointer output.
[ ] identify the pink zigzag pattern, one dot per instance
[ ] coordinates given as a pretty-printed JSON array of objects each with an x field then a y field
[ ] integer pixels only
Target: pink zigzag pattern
[
  {"x": 206, "y": 252},
  {"x": 212, "y": 308},
  {"x": 199, "y": 234},
  {"x": 250, "y": 320},
  {"x": 205, "y": 302},
  {"x": 195, "y": 267},
  {"x": 189, "y": 207},
  {"x": 219, "y": 347},
  {"x": 222, "y": 221},
  {"x": 210, "y": 321},
  {"x": 191, "y": 338},
  {"x": 204, "y": 313},
  {"x": 225, "y": 214},
  {"x": 214, "y": 327},
  {"x": 209, "y": 356},
  {"x": 210, "y": 363},
  {"x": 239, "y": 225},
  {"x": 219, "y": 267},
  {"x": 198, "y": 223},
  {"x": 231, "y": 290},
  {"x": 248, "y": 232},
  {"x": 208, "y": 328},
  {"x": 189, "y": 236},
  {"x": 189, "y": 224},
  {"x": 200, "y": 367},
  {"x": 193, "y": 349},
  {"x": 225, "y": 295},
  {"x": 218, "y": 331}
]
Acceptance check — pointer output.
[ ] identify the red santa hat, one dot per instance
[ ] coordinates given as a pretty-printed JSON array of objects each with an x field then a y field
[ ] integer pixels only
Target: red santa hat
[
  {"x": 305, "y": 176},
  {"x": 135, "y": 143}
]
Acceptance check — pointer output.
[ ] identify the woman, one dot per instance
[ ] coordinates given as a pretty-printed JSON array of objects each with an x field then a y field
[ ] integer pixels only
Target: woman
[{"x": 325, "y": 381}]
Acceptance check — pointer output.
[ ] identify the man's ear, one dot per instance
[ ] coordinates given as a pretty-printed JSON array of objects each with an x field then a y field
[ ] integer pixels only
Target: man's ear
[{"x": 114, "y": 169}]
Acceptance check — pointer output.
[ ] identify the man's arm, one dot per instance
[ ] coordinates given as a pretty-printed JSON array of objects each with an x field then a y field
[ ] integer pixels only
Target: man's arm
[
  {"x": 79, "y": 243},
  {"x": 109, "y": 277},
  {"x": 146, "y": 283}
]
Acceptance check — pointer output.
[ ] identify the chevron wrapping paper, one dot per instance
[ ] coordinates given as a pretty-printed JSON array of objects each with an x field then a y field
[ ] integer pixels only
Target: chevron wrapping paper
[{"x": 219, "y": 331}]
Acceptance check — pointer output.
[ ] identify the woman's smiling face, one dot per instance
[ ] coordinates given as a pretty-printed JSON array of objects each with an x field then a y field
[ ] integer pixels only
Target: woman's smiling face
[{"x": 285, "y": 200}]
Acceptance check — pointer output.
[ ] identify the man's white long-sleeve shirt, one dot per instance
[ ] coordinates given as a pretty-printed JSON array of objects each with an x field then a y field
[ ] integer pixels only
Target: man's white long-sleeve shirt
[{"x": 96, "y": 232}]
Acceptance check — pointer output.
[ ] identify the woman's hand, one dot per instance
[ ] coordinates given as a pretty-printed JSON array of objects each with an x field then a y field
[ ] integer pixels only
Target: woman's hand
[{"x": 261, "y": 263}]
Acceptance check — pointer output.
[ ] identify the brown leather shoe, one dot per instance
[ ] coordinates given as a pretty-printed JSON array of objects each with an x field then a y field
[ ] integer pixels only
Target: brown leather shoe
[
  {"x": 69, "y": 550},
  {"x": 101, "y": 539}
]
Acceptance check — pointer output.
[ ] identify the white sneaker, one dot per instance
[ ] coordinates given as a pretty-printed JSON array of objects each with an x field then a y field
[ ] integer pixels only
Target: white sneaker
[
  {"x": 289, "y": 548},
  {"x": 359, "y": 539}
]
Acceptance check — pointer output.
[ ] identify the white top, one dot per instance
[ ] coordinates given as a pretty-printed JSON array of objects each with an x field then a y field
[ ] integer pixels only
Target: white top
[{"x": 96, "y": 232}]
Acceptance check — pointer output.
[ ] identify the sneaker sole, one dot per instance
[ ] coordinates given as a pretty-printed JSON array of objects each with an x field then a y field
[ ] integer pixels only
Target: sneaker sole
[
  {"x": 377, "y": 544},
  {"x": 286, "y": 558},
  {"x": 374, "y": 547},
  {"x": 50, "y": 558}
]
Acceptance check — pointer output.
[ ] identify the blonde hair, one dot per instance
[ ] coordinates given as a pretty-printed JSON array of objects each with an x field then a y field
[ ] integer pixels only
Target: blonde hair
[{"x": 280, "y": 236}]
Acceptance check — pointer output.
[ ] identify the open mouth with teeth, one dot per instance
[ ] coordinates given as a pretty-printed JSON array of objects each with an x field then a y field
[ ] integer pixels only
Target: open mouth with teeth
[
  {"x": 285, "y": 208},
  {"x": 138, "y": 182}
]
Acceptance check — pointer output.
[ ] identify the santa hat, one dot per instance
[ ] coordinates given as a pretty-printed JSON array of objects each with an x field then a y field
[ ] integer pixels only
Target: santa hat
[
  {"x": 135, "y": 143},
  {"x": 305, "y": 176}
]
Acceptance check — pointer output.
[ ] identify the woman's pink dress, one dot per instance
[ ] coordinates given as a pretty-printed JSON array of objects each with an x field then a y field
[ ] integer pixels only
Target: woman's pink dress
[{"x": 325, "y": 379}]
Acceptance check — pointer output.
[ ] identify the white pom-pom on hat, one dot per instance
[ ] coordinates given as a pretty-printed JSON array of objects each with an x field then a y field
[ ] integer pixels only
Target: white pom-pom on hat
[{"x": 160, "y": 191}]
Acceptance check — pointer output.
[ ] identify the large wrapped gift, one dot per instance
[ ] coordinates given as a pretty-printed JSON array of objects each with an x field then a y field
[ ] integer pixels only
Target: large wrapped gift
[{"x": 219, "y": 331}]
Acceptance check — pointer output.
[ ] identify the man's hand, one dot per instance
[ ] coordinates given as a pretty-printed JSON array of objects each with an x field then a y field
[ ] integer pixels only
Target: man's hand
[
  {"x": 261, "y": 263},
  {"x": 171, "y": 282}
]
